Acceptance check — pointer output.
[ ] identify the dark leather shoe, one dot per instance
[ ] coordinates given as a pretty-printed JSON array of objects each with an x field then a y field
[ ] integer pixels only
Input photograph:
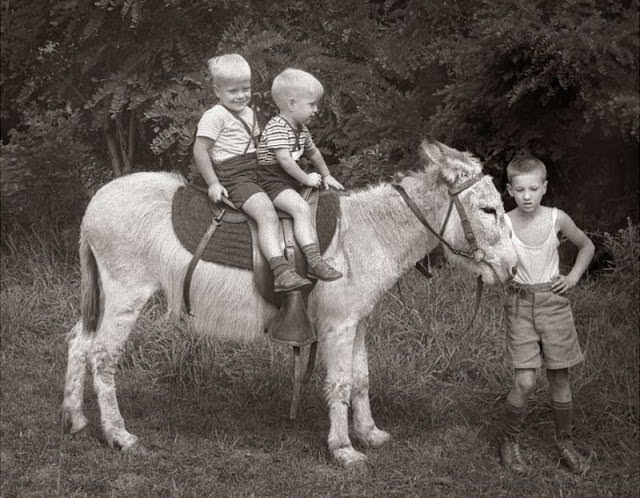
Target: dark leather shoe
[
  {"x": 289, "y": 280},
  {"x": 511, "y": 457},
  {"x": 571, "y": 459},
  {"x": 323, "y": 271}
]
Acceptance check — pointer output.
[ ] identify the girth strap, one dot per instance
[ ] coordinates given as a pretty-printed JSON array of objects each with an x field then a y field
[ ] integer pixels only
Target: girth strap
[{"x": 215, "y": 223}]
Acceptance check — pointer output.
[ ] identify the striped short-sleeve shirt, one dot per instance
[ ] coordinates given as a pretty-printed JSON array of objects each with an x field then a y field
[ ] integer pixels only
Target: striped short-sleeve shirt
[
  {"x": 278, "y": 134},
  {"x": 228, "y": 133}
]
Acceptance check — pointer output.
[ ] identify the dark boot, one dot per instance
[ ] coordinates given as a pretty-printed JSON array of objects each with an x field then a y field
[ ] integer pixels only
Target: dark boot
[
  {"x": 285, "y": 277},
  {"x": 318, "y": 268},
  {"x": 570, "y": 458},
  {"x": 289, "y": 280},
  {"x": 322, "y": 270},
  {"x": 511, "y": 456}
]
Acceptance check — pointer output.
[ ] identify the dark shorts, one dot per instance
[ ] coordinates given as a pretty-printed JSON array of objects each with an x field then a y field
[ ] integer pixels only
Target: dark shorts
[
  {"x": 274, "y": 179},
  {"x": 238, "y": 176},
  {"x": 541, "y": 330}
]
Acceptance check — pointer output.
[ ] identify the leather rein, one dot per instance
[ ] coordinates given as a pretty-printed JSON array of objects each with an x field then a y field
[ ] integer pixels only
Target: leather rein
[{"x": 475, "y": 253}]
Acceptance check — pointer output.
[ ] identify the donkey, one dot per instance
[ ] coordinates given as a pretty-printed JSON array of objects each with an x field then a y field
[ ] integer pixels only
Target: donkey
[{"x": 127, "y": 243}]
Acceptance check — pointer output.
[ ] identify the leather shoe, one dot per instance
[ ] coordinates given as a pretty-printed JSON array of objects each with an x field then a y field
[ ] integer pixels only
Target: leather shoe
[
  {"x": 289, "y": 280},
  {"x": 511, "y": 457},
  {"x": 323, "y": 271},
  {"x": 573, "y": 460}
]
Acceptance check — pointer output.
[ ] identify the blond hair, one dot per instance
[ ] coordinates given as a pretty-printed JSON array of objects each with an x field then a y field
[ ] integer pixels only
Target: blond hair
[
  {"x": 228, "y": 67},
  {"x": 292, "y": 83},
  {"x": 525, "y": 164}
]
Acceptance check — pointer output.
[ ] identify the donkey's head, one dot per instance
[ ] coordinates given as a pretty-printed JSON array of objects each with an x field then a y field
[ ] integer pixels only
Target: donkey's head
[{"x": 459, "y": 177}]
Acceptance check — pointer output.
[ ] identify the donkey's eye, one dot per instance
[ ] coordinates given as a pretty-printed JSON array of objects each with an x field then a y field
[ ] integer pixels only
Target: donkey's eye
[{"x": 488, "y": 210}]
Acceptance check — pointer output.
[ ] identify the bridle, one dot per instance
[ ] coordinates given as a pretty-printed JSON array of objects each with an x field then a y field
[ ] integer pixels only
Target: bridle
[{"x": 474, "y": 253}]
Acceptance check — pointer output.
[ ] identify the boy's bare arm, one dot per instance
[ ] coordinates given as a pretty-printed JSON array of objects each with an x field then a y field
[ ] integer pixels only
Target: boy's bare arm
[
  {"x": 205, "y": 167},
  {"x": 291, "y": 167},
  {"x": 586, "y": 250},
  {"x": 321, "y": 167}
]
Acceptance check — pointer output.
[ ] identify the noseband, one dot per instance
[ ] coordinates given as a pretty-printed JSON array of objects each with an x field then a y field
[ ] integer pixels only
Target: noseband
[{"x": 475, "y": 253}]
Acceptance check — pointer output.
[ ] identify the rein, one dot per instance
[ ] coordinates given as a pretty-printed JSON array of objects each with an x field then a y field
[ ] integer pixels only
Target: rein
[{"x": 475, "y": 253}]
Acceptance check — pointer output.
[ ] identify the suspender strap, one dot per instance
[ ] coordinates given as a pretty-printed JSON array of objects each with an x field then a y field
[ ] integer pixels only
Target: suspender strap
[{"x": 249, "y": 129}]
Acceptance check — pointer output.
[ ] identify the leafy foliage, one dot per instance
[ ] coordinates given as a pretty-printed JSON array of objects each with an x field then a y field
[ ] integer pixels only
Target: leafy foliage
[{"x": 558, "y": 79}]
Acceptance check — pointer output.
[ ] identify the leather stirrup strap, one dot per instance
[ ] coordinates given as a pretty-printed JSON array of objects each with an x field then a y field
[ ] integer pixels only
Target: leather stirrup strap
[{"x": 215, "y": 223}]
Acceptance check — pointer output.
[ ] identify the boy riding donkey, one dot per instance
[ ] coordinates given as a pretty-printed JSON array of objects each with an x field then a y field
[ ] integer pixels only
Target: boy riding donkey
[{"x": 225, "y": 155}]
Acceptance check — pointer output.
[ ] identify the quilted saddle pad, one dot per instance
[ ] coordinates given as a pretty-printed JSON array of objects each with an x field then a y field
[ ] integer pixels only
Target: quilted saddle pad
[{"x": 231, "y": 244}]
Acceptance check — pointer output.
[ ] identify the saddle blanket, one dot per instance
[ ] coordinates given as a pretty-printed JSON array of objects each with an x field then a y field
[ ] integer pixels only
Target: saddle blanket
[{"x": 231, "y": 244}]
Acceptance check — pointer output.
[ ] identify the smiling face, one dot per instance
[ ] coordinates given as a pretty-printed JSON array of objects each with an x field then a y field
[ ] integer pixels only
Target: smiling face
[
  {"x": 527, "y": 189},
  {"x": 234, "y": 94}
]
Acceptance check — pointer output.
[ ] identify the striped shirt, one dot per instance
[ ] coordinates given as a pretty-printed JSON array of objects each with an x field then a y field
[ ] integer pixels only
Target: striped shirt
[
  {"x": 228, "y": 134},
  {"x": 278, "y": 134}
]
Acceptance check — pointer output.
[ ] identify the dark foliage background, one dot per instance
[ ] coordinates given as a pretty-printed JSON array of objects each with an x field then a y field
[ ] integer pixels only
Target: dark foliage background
[{"x": 93, "y": 90}]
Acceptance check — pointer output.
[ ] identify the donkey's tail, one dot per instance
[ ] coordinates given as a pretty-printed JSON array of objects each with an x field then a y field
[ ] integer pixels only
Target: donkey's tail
[{"x": 89, "y": 288}]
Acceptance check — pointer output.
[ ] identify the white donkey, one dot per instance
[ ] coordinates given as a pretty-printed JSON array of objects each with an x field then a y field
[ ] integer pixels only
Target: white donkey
[{"x": 127, "y": 242}]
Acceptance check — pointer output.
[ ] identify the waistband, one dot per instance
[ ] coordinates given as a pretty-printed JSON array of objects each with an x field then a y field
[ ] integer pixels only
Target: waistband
[{"x": 518, "y": 287}]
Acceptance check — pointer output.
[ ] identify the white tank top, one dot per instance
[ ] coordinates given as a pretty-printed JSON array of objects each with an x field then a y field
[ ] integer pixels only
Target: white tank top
[{"x": 537, "y": 264}]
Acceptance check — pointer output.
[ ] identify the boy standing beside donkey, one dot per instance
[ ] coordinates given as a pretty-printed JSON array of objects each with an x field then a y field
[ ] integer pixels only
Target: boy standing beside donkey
[{"x": 541, "y": 330}]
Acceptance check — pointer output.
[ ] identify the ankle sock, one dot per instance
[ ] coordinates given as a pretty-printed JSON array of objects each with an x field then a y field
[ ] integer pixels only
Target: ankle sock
[
  {"x": 563, "y": 418},
  {"x": 278, "y": 264},
  {"x": 312, "y": 253}
]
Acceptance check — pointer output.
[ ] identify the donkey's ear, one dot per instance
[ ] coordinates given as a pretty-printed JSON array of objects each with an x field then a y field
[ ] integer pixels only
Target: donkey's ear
[{"x": 452, "y": 164}]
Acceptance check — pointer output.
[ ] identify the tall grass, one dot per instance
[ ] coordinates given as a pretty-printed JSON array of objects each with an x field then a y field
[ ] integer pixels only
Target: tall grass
[{"x": 425, "y": 367}]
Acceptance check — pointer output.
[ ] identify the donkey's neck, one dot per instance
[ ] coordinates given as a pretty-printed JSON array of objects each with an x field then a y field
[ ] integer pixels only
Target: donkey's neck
[{"x": 382, "y": 237}]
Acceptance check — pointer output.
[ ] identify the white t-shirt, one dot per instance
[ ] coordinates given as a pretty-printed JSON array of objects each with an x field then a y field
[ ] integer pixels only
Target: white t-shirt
[
  {"x": 229, "y": 135},
  {"x": 537, "y": 264}
]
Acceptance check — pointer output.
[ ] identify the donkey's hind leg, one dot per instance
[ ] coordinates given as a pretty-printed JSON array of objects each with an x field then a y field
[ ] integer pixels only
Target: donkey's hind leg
[
  {"x": 123, "y": 303},
  {"x": 364, "y": 426},
  {"x": 79, "y": 344}
]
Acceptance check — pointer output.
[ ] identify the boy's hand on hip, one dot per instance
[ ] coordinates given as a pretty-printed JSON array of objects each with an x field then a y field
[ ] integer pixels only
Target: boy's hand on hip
[
  {"x": 216, "y": 191},
  {"x": 330, "y": 181},
  {"x": 562, "y": 284},
  {"x": 313, "y": 180}
]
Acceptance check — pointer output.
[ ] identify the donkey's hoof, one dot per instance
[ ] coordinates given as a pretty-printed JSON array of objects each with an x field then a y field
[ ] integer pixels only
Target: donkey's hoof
[
  {"x": 136, "y": 449},
  {"x": 375, "y": 438},
  {"x": 350, "y": 458},
  {"x": 74, "y": 425},
  {"x": 123, "y": 442}
]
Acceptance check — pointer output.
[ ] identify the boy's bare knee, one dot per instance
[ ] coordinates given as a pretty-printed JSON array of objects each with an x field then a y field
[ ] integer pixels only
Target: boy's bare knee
[{"x": 525, "y": 381}]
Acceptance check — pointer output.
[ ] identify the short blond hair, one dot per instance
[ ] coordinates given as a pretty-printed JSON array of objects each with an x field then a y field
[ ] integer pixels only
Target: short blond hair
[
  {"x": 292, "y": 83},
  {"x": 525, "y": 164},
  {"x": 228, "y": 67}
]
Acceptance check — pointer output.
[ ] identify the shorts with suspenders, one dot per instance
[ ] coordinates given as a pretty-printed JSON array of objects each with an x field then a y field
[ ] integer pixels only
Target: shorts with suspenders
[{"x": 238, "y": 174}]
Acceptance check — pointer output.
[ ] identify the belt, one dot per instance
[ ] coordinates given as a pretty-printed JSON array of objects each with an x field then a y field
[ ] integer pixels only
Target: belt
[{"x": 515, "y": 287}]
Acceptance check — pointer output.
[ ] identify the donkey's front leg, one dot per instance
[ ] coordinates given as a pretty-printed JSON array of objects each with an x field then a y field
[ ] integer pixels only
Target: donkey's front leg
[
  {"x": 338, "y": 355},
  {"x": 364, "y": 427}
]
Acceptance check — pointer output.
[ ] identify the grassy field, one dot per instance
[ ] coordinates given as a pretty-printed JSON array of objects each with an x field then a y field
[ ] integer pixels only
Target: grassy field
[{"x": 213, "y": 415}]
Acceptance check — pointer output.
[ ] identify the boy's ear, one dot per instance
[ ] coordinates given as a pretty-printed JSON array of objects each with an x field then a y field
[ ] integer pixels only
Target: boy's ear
[
  {"x": 509, "y": 189},
  {"x": 291, "y": 103},
  {"x": 544, "y": 187}
]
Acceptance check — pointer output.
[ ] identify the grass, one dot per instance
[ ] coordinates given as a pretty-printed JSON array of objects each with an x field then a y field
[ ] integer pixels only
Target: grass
[{"x": 213, "y": 415}]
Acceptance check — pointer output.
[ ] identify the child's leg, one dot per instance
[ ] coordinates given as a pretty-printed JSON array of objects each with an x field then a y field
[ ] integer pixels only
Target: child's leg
[
  {"x": 524, "y": 381},
  {"x": 291, "y": 202},
  {"x": 562, "y": 406},
  {"x": 260, "y": 208}
]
